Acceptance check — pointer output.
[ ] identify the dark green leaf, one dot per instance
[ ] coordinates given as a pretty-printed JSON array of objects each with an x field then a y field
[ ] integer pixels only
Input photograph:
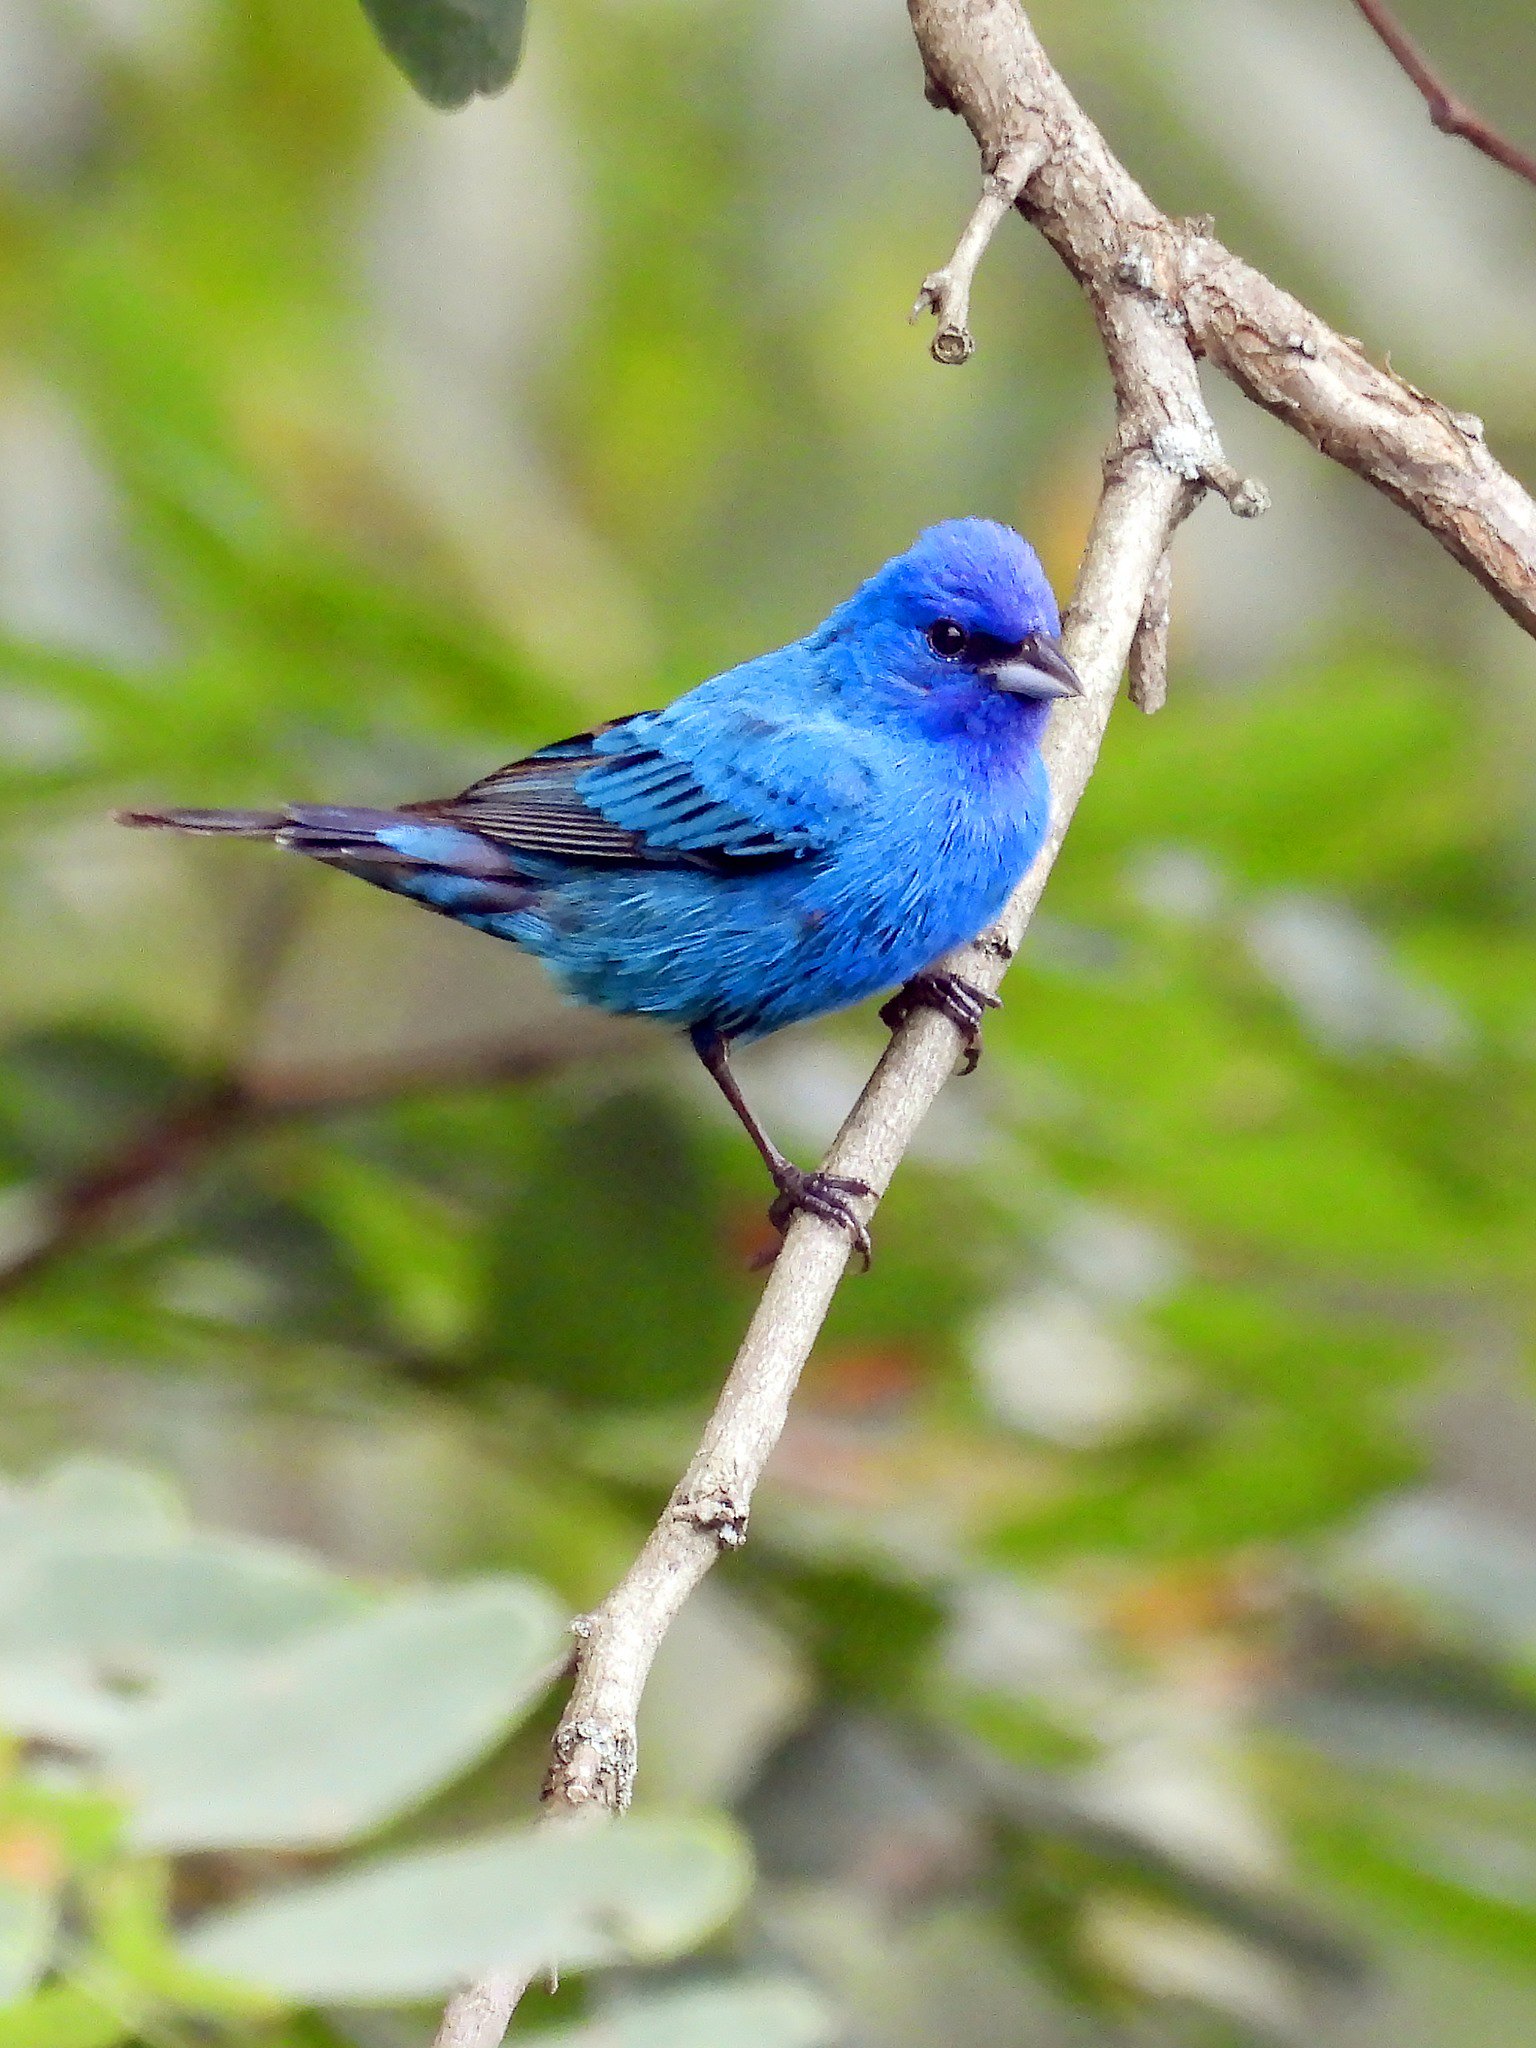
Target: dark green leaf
[{"x": 451, "y": 50}]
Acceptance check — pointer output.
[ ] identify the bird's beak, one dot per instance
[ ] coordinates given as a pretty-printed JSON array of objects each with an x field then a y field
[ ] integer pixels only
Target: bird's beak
[{"x": 1039, "y": 669}]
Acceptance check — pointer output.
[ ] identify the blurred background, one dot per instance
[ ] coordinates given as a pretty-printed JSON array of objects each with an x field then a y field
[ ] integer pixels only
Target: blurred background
[{"x": 1137, "y": 1643}]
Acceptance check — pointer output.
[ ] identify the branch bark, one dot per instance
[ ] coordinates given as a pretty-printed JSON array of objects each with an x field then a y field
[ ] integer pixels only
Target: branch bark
[
  {"x": 1163, "y": 294},
  {"x": 1147, "y": 680}
]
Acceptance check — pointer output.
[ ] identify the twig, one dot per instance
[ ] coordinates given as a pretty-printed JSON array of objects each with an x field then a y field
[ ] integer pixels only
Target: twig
[
  {"x": 95, "y": 1200},
  {"x": 946, "y": 293},
  {"x": 1451, "y": 115},
  {"x": 595, "y": 1744},
  {"x": 1147, "y": 680},
  {"x": 1160, "y": 293},
  {"x": 1246, "y": 498}
]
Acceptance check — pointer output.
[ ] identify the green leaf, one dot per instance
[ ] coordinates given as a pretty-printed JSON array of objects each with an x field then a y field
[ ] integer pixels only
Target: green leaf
[
  {"x": 870, "y": 1634},
  {"x": 65, "y": 1821},
  {"x": 1384, "y": 1865},
  {"x": 747, "y": 2012},
  {"x": 68, "y": 1094},
  {"x": 451, "y": 50},
  {"x": 146, "y": 1611},
  {"x": 102, "y": 1590},
  {"x": 326, "y": 1739},
  {"x": 129, "y": 1912},
  {"x": 62, "y": 2016},
  {"x": 413, "y": 1927},
  {"x": 413, "y": 1250}
]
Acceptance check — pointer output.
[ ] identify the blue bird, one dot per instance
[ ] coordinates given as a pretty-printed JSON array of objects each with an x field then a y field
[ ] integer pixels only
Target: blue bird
[{"x": 792, "y": 836}]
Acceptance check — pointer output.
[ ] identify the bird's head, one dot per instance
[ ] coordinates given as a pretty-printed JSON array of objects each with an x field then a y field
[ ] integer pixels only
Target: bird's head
[{"x": 967, "y": 608}]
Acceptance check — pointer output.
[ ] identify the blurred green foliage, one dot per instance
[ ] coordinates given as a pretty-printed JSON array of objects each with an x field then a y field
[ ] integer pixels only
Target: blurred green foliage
[{"x": 1137, "y": 1637}]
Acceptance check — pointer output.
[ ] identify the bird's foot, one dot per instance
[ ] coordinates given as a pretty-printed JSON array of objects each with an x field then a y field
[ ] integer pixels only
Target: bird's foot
[
  {"x": 827, "y": 1195},
  {"x": 959, "y": 1000}
]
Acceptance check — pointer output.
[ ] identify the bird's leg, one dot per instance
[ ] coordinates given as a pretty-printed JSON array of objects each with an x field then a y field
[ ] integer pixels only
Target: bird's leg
[
  {"x": 959, "y": 1000},
  {"x": 826, "y": 1195}
]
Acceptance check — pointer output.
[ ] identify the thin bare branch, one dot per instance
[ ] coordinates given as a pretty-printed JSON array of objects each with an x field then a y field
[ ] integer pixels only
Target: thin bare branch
[
  {"x": 1246, "y": 497},
  {"x": 594, "y": 1749},
  {"x": 1162, "y": 293},
  {"x": 1450, "y": 114},
  {"x": 1147, "y": 491}
]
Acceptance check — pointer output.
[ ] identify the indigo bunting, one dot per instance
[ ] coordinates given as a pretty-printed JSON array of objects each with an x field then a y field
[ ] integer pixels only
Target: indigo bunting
[{"x": 792, "y": 836}]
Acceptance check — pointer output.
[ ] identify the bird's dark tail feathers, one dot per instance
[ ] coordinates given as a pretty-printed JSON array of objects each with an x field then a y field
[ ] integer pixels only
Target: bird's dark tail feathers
[
  {"x": 447, "y": 868},
  {"x": 232, "y": 824},
  {"x": 335, "y": 832}
]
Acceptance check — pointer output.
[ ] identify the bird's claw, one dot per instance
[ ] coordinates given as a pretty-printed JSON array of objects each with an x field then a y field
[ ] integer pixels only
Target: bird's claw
[
  {"x": 824, "y": 1195},
  {"x": 954, "y": 997}
]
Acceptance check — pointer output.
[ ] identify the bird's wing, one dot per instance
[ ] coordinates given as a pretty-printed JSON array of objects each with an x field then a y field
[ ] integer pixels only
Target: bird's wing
[{"x": 607, "y": 796}]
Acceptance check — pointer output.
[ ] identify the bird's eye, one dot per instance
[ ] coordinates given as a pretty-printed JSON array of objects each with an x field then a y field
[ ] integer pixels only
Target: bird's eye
[{"x": 948, "y": 639}]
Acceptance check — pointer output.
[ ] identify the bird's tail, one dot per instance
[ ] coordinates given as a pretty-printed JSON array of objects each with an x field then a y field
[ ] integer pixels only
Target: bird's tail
[
  {"x": 336, "y": 832},
  {"x": 445, "y": 867},
  {"x": 232, "y": 824}
]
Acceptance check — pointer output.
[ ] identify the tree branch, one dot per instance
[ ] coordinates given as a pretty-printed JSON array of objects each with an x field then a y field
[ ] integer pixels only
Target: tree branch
[
  {"x": 593, "y": 1763},
  {"x": 1452, "y": 116},
  {"x": 1162, "y": 293}
]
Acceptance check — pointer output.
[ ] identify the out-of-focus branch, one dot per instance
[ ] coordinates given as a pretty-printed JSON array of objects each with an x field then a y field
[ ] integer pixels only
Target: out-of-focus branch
[
  {"x": 1451, "y": 115},
  {"x": 79, "y": 1210},
  {"x": 1163, "y": 293}
]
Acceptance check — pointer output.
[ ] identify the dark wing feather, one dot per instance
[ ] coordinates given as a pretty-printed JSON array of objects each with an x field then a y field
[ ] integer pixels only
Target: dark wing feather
[{"x": 535, "y": 806}]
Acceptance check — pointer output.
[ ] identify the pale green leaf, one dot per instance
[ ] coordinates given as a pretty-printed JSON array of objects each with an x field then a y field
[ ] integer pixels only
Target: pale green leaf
[
  {"x": 62, "y": 2016},
  {"x": 327, "y": 1738},
  {"x": 85, "y": 1498},
  {"x": 413, "y": 1927}
]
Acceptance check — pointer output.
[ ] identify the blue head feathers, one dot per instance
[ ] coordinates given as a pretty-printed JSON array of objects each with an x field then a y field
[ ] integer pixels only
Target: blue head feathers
[
  {"x": 985, "y": 576},
  {"x": 967, "y": 603}
]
